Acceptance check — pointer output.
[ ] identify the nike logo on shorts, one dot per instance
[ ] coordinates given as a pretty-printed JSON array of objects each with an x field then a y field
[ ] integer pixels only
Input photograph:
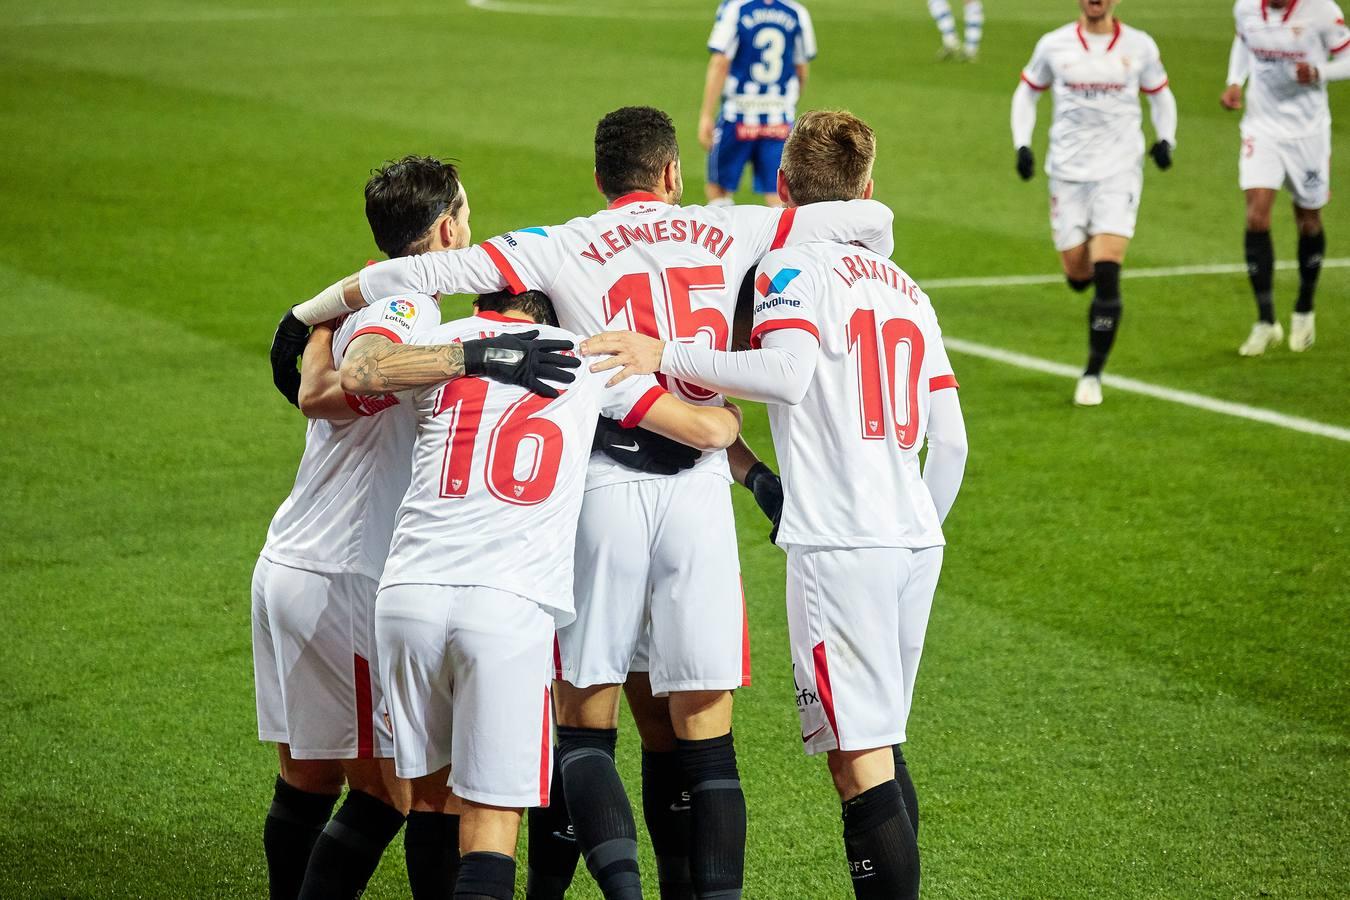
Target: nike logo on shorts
[{"x": 806, "y": 738}]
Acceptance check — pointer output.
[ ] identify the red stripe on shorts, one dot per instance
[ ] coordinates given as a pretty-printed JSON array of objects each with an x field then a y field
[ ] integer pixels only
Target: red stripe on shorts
[
  {"x": 823, "y": 686},
  {"x": 365, "y": 722},
  {"x": 745, "y": 640},
  {"x": 557, "y": 659},
  {"x": 545, "y": 753}
]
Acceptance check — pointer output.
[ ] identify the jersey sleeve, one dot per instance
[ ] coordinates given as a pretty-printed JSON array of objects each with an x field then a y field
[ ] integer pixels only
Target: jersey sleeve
[
  {"x": 866, "y": 222},
  {"x": 628, "y": 401},
  {"x": 1037, "y": 72},
  {"x": 937, "y": 367},
  {"x": 785, "y": 297},
  {"x": 528, "y": 259},
  {"x": 725, "y": 37},
  {"x": 398, "y": 318},
  {"x": 1335, "y": 35},
  {"x": 1153, "y": 76},
  {"x": 467, "y": 271},
  {"x": 806, "y": 38}
]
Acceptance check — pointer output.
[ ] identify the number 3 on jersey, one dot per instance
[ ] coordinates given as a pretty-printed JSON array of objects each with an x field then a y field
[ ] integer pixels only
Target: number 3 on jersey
[
  {"x": 896, "y": 336},
  {"x": 633, "y": 295},
  {"x": 463, "y": 400}
]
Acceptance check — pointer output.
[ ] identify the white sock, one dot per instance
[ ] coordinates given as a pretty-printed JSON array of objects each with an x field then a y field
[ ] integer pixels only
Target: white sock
[
  {"x": 974, "y": 25},
  {"x": 941, "y": 11}
]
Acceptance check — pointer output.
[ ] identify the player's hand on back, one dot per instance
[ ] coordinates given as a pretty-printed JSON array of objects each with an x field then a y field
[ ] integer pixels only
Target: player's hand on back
[
  {"x": 643, "y": 450},
  {"x": 522, "y": 359},
  {"x": 633, "y": 353},
  {"x": 288, "y": 346},
  {"x": 1162, "y": 155},
  {"x": 1232, "y": 97},
  {"x": 767, "y": 487},
  {"x": 1306, "y": 73},
  {"x": 1026, "y": 163}
]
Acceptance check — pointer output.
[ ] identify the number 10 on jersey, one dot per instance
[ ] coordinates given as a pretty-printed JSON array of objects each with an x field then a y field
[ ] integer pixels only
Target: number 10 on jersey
[{"x": 898, "y": 348}]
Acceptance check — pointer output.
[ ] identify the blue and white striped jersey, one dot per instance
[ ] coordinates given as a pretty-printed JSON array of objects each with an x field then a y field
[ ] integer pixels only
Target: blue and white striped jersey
[{"x": 766, "y": 40}]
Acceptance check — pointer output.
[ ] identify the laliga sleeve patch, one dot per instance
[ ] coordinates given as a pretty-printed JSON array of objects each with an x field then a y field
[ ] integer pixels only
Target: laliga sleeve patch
[{"x": 401, "y": 311}]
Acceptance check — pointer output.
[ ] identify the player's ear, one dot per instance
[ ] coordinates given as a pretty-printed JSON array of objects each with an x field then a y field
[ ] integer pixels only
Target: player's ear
[
  {"x": 783, "y": 193},
  {"x": 670, "y": 177},
  {"x": 446, "y": 231},
  {"x": 598, "y": 186},
  {"x": 867, "y": 191}
]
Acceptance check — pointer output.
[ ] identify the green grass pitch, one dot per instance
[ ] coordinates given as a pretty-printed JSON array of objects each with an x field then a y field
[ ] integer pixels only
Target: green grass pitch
[{"x": 1137, "y": 681}]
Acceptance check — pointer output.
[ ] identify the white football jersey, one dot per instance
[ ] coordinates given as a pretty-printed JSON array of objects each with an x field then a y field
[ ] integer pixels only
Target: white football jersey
[
  {"x": 849, "y": 451},
  {"x": 666, "y": 271},
  {"x": 340, "y": 513},
  {"x": 1097, "y": 129},
  {"x": 1310, "y": 31},
  {"x": 498, "y": 474}
]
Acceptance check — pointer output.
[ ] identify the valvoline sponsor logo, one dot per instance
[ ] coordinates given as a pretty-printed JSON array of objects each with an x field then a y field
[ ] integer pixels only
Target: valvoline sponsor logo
[
  {"x": 769, "y": 287},
  {"x": 510, "y": 236}
]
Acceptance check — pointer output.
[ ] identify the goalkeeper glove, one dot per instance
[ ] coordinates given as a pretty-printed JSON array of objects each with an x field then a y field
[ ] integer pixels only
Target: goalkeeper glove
[{"x": 522, "y": 359}]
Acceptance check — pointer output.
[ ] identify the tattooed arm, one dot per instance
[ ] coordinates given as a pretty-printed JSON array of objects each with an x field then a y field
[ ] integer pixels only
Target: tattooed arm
[{"x": 376, "y": 365}]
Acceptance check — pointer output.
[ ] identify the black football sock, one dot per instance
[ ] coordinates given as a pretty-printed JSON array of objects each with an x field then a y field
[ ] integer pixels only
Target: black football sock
[
  {"x": 717, "y": 838},
  {"x": 350, "y": 848},
  {"x": 883, "y": 854},
  {"x": 486, "y": 876},
  {"x": 293, "y": 825},
  {"x": 666, "y": 807},
  {"x": 553, "y": 845},
  {"x": 906, "y": 788},
  {"x": 601, "y": 815},
  {"x": 431, "y": 850},
  {"x": 1103, "y": 316},
  {"x": 1311, "y": 247},
  {"x": 1079, "y": 284},
  {"x": 1261, "y": 272}
]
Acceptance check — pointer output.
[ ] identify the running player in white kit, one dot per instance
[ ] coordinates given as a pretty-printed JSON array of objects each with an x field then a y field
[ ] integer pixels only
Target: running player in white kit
[
  {"x": 652, "y": 548},
  {"x": 1097, "y": 67},
  {"x": 318, "y": 691},
  {"x": 852, "y": 365},
  {"x": 1289, "y": 49},
  {"x": 480, "y": 572}
]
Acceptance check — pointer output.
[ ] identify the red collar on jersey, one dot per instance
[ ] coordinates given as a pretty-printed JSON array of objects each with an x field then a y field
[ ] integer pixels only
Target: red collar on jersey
[
  {"x": 635, "y": 197},
  {"x": 1115, "y": 38},
  {"x": 1288, "y": 10},
  {"x": 498, "y": 317}
]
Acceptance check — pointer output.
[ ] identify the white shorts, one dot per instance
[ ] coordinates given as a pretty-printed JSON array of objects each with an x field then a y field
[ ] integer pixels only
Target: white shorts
[
  {"x": 856, "y": 622},
  {"x": 660, "y": 552},
  {"x": 314, "y": 664},
  {"x": 1083, "y": 209},
  {"x": 468, "y": 675},
  {"x": 1302, "y": 165}
]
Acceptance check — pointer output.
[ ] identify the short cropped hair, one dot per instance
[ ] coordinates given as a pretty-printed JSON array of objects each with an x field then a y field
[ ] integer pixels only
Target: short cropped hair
[
  {"x": 828, "y": 156},
  {"x": 633, "y": 145},
  {"x": 535, "y": 304},
  {"x": 405, "y": 198}
]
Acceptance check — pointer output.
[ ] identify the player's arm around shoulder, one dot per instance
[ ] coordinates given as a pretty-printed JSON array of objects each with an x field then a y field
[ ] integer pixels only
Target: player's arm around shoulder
[
  {"x": 705, "y": 428},
  {"x": 321, "y": 395}
]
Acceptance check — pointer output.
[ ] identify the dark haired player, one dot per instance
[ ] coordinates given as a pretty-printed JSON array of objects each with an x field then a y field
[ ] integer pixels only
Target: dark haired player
[
  {"x": 1096, "y": 67},
  {"x": 1290, "y": 49},
  {"x": 318, "y": 691},
  {"x": 480, "y": 573},
  {"x": 653, "y": 548}
]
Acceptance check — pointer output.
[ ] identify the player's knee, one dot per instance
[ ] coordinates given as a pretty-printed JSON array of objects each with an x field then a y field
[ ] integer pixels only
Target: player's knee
[
  {"x": 316, "y": 776},
  {"x": 1309, "y": 221}
]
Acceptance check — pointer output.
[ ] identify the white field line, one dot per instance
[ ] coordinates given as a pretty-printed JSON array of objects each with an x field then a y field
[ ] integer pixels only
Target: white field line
[
  {"x": 207, "y": 16},
  {"x": 1134, "y": 386},
  {"x": 578, "y": 11},
  {"x": 1169, "y": 272}
]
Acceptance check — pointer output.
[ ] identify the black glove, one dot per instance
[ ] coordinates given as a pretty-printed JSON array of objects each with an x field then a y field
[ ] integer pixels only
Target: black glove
[
  {"x": 521, "y": 359},
  {"x": 638, "y": 448},
  {"x": 768, "y": 490},
  {"x": 1026, "y": 163},
  {"x": 288, "y": 345},
  {"x": 1162, "y": 155}
]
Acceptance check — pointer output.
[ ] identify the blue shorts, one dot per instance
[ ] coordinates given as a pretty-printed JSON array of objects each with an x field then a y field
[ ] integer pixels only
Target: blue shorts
[{"x": 759, "y": 145}]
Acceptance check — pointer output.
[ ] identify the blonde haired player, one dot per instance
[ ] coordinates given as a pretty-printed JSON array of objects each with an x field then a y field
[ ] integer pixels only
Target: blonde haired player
[
  {"x": 851, "y": 363},
  {"x": 1096, "y": 67},
  {"x": 1289, "y": 49}
]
